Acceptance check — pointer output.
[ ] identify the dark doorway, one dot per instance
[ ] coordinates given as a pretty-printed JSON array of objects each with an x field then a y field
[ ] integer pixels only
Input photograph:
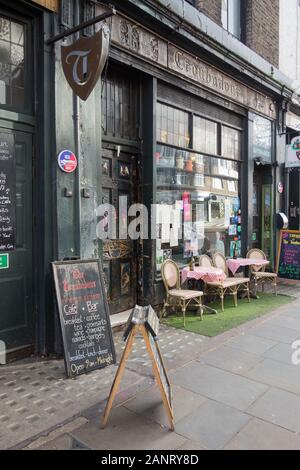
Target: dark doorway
[
  {"x": 120, "y": 180},
  {"x": 263, "y": 201}
]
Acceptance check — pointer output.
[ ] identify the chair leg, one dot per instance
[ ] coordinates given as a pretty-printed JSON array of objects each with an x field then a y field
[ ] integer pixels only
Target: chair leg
[
  {"x": 235, "y": 298},
  {"x": 201, "y": 309},
  {"x": 222, "y": 299},
  {"x": 255, "y": 287},
  {"x": 275, "y": 286},
  {"x": 183, "y": 312},
  {"x": 248, "y": 292},
  {"x": 164, "y": 310}
]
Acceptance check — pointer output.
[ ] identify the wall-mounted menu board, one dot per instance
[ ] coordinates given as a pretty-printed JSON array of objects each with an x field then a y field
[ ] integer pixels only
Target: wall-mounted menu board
[
  {"x": 84, "y": 316},
  {"x": 288, "y": 257},
  {"x": 7, "y": 192}
]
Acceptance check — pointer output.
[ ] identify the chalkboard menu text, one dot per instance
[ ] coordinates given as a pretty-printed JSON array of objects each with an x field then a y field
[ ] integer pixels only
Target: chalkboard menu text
[
  {"x": 7, "y": 192},
  {"x": 84, "y": 316},
  {"x": 288, "y": 259}
]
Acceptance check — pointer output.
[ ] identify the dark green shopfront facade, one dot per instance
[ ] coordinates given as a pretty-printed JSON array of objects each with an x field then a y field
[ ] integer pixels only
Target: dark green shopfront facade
[{"x": 171, "y": 120}]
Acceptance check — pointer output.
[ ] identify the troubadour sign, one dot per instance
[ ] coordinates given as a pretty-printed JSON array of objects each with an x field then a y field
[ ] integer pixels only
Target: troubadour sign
[{"x": 84, "y": 61}]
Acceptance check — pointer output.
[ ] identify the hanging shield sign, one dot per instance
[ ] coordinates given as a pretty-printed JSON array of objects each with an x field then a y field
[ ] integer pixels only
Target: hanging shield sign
[{"x": 84, "y": 60}]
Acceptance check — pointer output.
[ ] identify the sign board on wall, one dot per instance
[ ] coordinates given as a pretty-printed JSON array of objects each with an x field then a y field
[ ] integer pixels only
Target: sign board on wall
[
  {"x": 136, "y": 39},
  {"x": 84, "y": 316},
  {"x": 84, "y": 60},
  {"x": 49, "y": 4},
  {"x": 7, "y": 192},
  {"x": 288, "y": 258},
  {"x": 292, "y": 159}
]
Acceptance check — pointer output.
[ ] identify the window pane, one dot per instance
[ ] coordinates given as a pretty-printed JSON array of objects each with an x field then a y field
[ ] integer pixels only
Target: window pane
[
  {"x": 262, "y": 139},
  {"x": 234, "y": 18},
  {"x": 205, "y": 135},
  {"x": 12, "y": 63},
  {"x": 4, "y": 29},
  {"x": 172, "y": 126},
  {"x": 231, "y": 143}
]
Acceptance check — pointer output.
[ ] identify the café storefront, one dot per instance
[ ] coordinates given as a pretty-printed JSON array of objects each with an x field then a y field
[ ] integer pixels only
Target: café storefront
[
  {"x": 164, "y": 125},
  {"x": 201, "y": 139}
]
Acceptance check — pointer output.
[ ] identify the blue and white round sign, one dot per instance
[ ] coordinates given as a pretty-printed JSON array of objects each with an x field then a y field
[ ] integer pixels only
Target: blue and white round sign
[{"x": 67, "y": 161}]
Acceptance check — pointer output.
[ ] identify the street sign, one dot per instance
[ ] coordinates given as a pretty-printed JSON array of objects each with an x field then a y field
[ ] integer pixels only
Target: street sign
[{"x": 4, "y": 261}]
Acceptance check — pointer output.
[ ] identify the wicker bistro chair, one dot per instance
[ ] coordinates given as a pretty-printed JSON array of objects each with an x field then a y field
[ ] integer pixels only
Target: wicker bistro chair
[
  {"x": 205, "y": 260},
  {"x": 174, "y": 294},
  {"x": 230, "y": 286},
  {"x": 258, "y": 274}
]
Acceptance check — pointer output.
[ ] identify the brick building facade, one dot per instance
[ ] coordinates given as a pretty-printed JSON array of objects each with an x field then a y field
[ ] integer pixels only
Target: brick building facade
[{"x": 259, "y": 24}]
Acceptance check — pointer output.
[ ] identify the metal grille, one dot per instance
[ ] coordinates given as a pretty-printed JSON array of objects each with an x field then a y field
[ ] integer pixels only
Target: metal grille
[{"x": 120, "y": 106}]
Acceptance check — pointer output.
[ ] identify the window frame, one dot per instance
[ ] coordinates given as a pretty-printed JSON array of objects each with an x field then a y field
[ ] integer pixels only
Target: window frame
[
  {"x": 241, "y": 19},
  {"x": 29, "y": 81}
]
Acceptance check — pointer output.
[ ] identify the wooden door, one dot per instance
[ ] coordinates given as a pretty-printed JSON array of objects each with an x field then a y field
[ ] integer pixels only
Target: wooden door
[{"x": 120, "y": 179}]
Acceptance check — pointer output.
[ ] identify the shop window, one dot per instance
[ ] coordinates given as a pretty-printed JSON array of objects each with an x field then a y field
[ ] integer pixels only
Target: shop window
[
  {"x": 12, "y": 64},
  {"x": 205, "y": 135},
  {"x": 232, "y": 17},
  {"x": 231, "y": 143},
  {"x": 262, "y": 139},
  {"x": 172, "y": 126},
  {"x": 207, "y": 190}
]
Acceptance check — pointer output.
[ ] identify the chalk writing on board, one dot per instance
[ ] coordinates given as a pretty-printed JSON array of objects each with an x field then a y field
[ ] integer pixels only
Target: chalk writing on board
[
  {"x": 7, "y": 192},
  {"x": 84, "y": 316},
  {"x": 289, "y": 255}
]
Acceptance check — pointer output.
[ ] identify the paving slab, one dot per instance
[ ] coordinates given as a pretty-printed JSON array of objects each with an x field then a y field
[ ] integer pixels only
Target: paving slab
[
  {"x": 149, "y": 404},
  {"x": 276, "y": 333},
  {"x": 251, "y": 343},
  {"x": 231, "y": 359},
  {"x": 212, "y": 424},
  {"x": 219, "y": 385},
  {"x": 286, "y": 321},
  {"x": 128, "y": 431},
  {"x": 278, "y": 407},
  {"x": 282, "y": 352},
  {"x": 277, "y": 374},
  {"x": 259, "y": 435}
]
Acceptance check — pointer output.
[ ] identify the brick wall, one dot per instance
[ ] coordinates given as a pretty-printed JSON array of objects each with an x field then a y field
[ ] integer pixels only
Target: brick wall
[
  {"x": 262, "y": 24},
  {"x": 262, "y": 28},
  {"x": 210, "y": 8}
]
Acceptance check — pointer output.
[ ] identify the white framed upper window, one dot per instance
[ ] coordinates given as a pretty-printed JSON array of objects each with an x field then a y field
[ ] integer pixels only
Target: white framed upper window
[{"x": 232, "y": 17}]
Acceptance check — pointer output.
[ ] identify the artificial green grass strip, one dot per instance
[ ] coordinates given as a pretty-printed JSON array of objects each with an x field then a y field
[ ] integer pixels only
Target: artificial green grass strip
[{"x": 213, "y": 325}]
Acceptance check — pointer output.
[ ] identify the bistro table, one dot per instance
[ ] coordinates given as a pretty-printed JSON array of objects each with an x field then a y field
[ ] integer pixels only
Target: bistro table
[
  {"x": 203, "y": 274},
  {"x": 235, "y": 264}
]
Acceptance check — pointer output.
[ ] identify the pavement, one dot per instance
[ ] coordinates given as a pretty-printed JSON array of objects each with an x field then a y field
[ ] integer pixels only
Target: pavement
[{"x": 239, "y": 390}]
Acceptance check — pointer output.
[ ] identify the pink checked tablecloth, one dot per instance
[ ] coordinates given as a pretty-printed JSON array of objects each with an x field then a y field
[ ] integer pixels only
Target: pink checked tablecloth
[
  {"x": 235, "y": 264},
  {"x": 206, "y": 274}
]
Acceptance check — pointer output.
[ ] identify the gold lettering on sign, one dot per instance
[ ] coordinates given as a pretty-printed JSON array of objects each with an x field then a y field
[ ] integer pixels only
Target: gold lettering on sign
[
  {"x": 49, "y": 4},
  {"x": 206, "y": 75},
  {"x": 138, "y": 40},
  {"x": 142, "y": 42}
]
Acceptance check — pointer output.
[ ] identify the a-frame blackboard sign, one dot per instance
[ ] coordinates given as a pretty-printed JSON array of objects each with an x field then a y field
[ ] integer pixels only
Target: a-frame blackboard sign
[
  {"x": 84, "y": 316},
  {"x": 143, "y": 321}
]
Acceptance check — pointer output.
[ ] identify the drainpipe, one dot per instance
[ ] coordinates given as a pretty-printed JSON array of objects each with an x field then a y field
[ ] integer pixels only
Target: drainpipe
[{"x": 76, "y": 127}]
